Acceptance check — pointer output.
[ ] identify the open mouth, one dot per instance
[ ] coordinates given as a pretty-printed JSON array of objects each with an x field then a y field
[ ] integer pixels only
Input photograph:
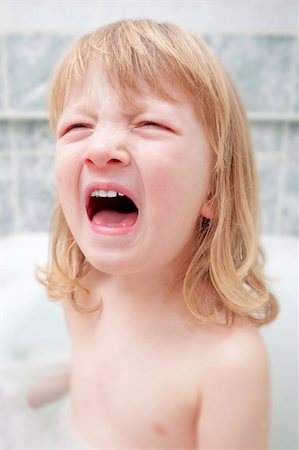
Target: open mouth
[{"x": 111, "y": 209}]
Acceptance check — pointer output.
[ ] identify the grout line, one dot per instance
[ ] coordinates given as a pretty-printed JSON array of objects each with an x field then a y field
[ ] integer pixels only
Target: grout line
[
  {"x": 14, "y": 197},
  {"x": 281, "y": 179},
  {"x": 295, "y": 75},
  {"x": 253, "y": 116},
  {"x": 5, "y": 90},
  {"x": 38, "y": 152},
  {"x": 12, "y": 153},
  {"x": 15, "y": 200},
  {"x": 23, "y": 115},
  {"x": 272, "y": 117}
]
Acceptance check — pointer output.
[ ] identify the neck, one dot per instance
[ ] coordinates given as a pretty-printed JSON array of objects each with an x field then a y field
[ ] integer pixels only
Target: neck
[
  {"x": 135, "y": 301},
  {"x": 137, "y": 293}
]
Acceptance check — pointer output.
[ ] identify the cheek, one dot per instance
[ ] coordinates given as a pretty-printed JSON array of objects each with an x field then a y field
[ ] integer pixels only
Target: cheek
[
  {"x": 67, "y": 168},
  {"x": 63, "y": 183},
  {"x": 160, "y": 185},
  {"x": 67, "y": 173},
  {"x": 179, "y": 183}
]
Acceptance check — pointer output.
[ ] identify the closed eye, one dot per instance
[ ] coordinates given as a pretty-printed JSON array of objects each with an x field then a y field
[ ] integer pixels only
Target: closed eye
[
  {"x": 74, "y": 127},
  {"x": 151, "y": 124}
]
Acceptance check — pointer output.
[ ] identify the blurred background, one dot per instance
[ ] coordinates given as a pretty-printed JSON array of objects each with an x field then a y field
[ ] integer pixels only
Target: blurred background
[{"x": 257, "y": 40}]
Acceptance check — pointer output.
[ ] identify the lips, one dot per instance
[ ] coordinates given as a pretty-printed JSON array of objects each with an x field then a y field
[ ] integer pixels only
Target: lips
[{"x": 110, "y": 207}]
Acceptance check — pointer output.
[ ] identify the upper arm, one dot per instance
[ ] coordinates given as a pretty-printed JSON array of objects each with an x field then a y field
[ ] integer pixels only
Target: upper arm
[{"x": 235, "y": 406}]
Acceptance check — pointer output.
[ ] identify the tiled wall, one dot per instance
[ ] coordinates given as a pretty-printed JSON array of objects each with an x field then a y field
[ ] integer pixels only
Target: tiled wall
[{"x": 264, "y": 66}]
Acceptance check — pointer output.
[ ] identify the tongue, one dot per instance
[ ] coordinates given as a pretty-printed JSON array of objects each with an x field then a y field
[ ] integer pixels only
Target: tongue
[{"x": 112, "y": 218}]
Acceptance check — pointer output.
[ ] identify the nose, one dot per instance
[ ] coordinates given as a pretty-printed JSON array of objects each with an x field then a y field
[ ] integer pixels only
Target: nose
[{"x": 106, "y": 148}]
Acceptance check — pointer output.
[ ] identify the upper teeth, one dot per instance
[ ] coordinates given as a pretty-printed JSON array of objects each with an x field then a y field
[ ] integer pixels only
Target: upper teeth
[{"x": 103, "y": 193}]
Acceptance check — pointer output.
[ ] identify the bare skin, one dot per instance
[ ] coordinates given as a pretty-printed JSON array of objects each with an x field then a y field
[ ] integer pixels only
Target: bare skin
[
  {"x": 49, "y": 389},
  {"x": 141, "y": 371},
  {"x": 145, "y": 374}
]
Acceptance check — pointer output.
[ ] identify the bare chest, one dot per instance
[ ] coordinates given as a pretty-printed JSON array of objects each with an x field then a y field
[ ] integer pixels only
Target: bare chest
[{"x": 128, "y": 395}]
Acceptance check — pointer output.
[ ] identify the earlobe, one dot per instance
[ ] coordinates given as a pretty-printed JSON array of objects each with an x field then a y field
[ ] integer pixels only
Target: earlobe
[{"x": 207, "y": 211}]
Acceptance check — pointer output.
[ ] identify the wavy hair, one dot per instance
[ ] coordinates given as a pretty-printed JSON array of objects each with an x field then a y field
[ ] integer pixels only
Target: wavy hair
[{"x": 225, "y": 271}]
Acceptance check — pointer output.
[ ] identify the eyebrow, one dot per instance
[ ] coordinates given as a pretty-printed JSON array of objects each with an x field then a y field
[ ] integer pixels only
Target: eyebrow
[
  {"x": 142, "y": 104},
  {"x": 77, "y": 108}
]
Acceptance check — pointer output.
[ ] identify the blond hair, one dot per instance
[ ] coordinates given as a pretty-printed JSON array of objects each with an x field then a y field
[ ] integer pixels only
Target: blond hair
[{"x": 227, "y": 260}]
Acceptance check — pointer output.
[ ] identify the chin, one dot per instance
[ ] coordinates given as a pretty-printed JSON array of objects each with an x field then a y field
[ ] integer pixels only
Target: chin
[{"x": 112, "y": 265}]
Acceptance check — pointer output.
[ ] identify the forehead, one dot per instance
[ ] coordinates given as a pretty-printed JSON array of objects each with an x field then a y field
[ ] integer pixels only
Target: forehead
[{"x": 94, "y": 88}]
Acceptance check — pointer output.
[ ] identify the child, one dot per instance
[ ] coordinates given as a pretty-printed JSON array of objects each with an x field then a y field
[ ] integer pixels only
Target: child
[{"x": 154, "y": 249}]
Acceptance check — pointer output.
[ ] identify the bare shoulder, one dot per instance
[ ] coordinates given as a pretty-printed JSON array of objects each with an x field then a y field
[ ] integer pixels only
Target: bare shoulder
[
  {"x": 237, "y": 352},
  {"x": 235, "y": 393},
  {"x": 223, "y": 342},
  {"x": 242, "y": 347},
  {"x": 244, "y": 344}
]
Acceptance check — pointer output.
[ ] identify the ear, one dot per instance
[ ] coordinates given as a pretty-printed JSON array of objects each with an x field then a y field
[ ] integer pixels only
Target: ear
[{"x": 208, "y": 211}]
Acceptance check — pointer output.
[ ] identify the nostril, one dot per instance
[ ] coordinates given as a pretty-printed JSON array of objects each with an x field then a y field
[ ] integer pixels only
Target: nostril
[{"x": 100, "y": 157}]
